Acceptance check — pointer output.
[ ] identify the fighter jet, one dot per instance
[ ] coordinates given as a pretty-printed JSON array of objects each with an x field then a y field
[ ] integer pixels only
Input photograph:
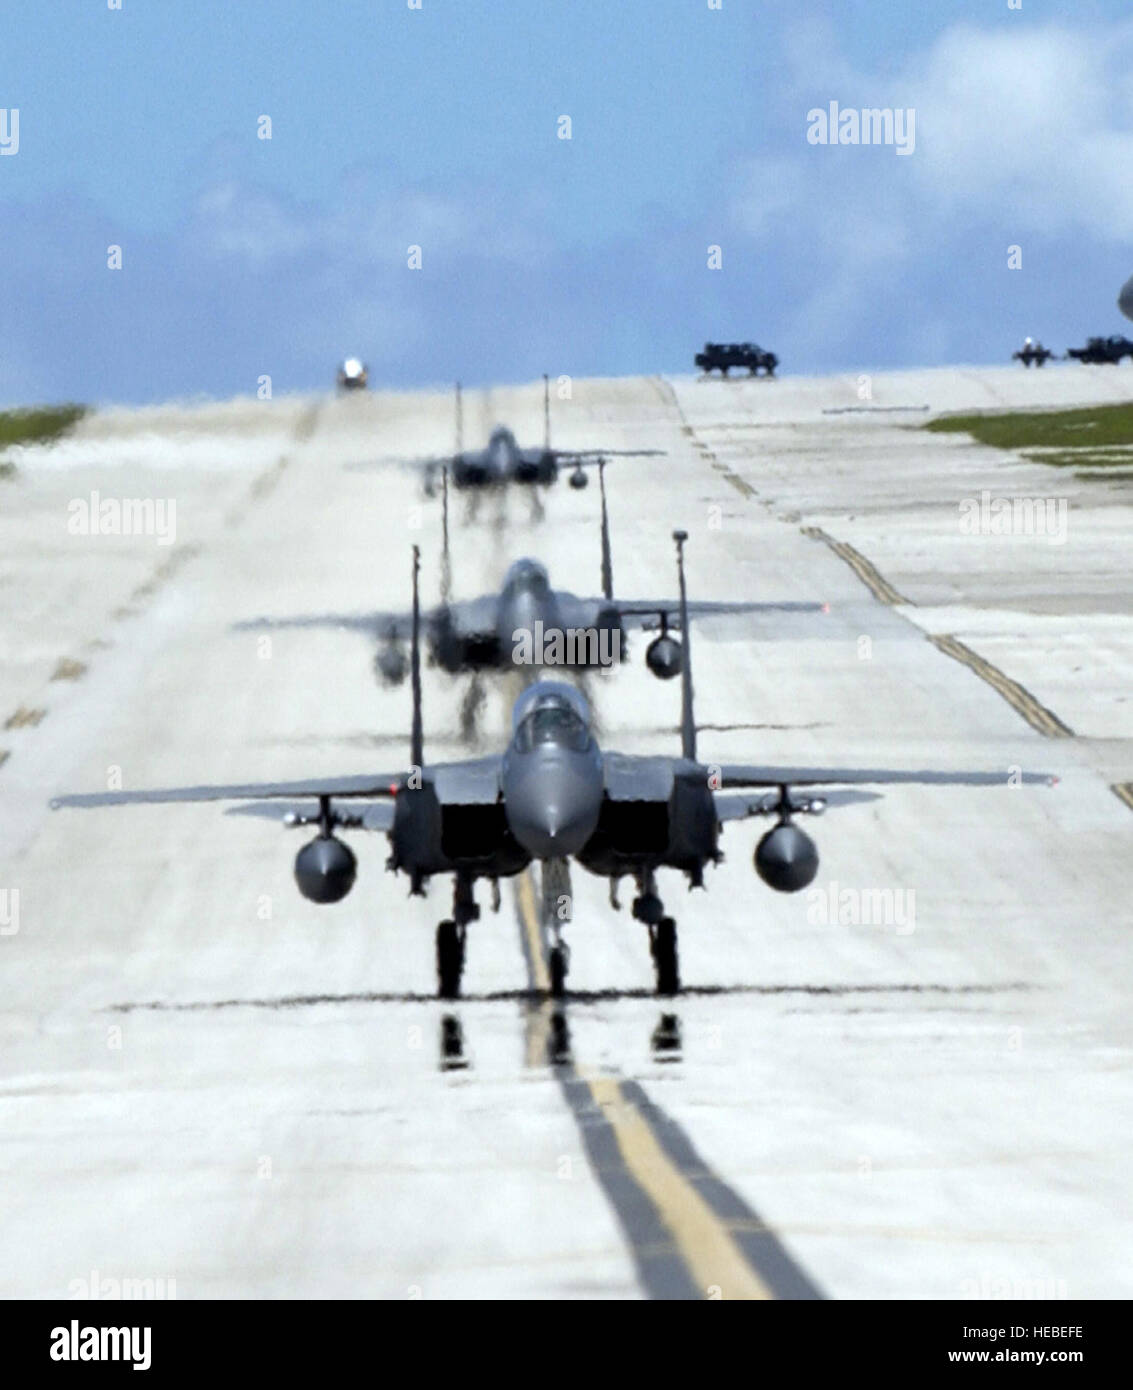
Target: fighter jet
[
  {"x": 554, "y": 796},
  {"x": 529, "y": 624},
  {"x": 1032, "y": 353},
  {"x": 1125, "y": 299},
  {"x": 504, "y": 461}
]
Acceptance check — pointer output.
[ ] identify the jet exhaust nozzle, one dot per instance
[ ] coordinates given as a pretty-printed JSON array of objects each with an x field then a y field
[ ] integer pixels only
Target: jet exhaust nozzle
[
  {"x": 786, "y": 859},
  {"x": 325, "y": 869},
  {"x": 664, "y": 656}
]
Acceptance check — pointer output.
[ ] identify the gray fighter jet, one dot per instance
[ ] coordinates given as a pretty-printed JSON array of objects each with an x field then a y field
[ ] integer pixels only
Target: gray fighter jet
[
  {"x": 554, "y": 796},
  {"x": 529, "y": 624},
  {"x": 1125, "y": 299},
  {"x": 504, "y": 461}
]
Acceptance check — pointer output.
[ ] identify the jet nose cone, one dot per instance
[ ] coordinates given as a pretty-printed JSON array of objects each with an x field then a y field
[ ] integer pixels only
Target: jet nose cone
[{"x": 551, "y": 835}]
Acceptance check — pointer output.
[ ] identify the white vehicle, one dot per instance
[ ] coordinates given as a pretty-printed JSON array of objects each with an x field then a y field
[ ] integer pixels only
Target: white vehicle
[{"x": 352, "y": 375}]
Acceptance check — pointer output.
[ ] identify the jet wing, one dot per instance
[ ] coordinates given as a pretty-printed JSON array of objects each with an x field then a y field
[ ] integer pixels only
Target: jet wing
[
  {"x": 372, "y": 785},
  {"x": 644, "y": 613},
  {"x": 433, "y": 465},
  {"x": 383, "y": 626},
  {"x": 467, "y": 617},
  {"x": 374, "y": 816},
  {"x": 737, "y": 806},
  {"x": 741, "y": 775},
  {"x": 588, "y": 458},
  {"x": 474, "y": 781}
]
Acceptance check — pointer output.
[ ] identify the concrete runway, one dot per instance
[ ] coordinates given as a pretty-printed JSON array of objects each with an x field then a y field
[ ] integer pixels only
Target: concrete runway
[{"x": 207, "y": 1080}]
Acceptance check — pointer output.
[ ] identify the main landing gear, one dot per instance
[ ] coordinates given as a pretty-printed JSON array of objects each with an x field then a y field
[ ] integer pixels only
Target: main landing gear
[
  {"x": 648, "y": 908},
  {"x": 451, "y": 937}
]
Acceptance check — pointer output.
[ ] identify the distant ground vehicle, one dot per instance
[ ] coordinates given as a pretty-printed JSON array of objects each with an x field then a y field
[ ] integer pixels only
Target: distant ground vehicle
[
  {"x": 352, "y": 375},
  {"x": 727, "y": 355},
  {"x": 1032, "y": 353},
  {"x": 1111, "y": 349}
]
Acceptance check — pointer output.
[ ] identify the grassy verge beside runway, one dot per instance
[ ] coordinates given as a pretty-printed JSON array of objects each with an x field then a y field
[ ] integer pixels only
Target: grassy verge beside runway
[
  {"x": 1096, "y": 436},
  {"x": 35, "y": 425}
]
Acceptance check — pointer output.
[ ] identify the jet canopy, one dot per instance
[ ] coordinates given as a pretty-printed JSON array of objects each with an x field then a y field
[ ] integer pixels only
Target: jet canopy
[
  {"x": 527, "y": 574},
  {"x": 551, "y": 712}
]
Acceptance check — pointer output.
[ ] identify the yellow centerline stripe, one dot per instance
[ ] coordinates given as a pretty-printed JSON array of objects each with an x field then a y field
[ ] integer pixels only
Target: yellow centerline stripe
[
  {"x": 714, "y": 1260},
  {"x": 710, "y": 1253},
  {"x": 1016, "y": 695},
  {"x": 868, "y": 573},
  {"x": 529, "y": 916},
  {"x": 1021, "y": 699}
]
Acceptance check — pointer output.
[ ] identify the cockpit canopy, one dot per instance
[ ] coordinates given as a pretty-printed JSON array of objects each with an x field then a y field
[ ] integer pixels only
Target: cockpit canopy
[
  {"x": 527, "y": 574},
  {"x": 551, "y": 712},
  {"x": 501, "y": 443}
]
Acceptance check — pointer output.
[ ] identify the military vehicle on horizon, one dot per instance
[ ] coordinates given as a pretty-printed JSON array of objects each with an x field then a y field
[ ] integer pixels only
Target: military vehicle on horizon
[
  {"x": 725, "y": 356},
  {"x": 1111, "y": 349}
]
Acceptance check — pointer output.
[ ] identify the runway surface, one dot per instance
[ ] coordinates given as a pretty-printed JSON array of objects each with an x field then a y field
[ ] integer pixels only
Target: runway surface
[{"x": 209, "y": 1081}]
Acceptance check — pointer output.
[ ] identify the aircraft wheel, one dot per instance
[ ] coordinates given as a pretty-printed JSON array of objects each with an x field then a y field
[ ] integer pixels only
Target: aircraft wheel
[
  {"x": 450, "y": 959},
  {"x": 664, "y": 946},
  {"x": 557, "y": 963}
]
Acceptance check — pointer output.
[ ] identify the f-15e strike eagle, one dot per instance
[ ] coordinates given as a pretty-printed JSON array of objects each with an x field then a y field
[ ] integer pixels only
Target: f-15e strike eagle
[
  {"x": 504, "y": 461},
  {"x": 553, "y": 796},
  {"x": 530, "y": 624}
]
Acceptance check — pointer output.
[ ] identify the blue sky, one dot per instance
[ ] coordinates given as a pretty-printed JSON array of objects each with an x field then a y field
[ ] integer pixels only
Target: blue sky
[{"x": 437, "y": 127}]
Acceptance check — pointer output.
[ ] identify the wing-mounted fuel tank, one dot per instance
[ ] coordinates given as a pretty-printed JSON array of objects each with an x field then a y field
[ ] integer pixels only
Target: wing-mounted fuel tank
[
  {"x": 391, "y": 664},
  {"x": 664, "y": 656},
  {"x": 786, "y": 858},
  {"x": 325, "y": 868}
]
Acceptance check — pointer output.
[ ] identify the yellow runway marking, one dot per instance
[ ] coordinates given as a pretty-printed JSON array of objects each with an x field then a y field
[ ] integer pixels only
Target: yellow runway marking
[
  {"x": 868, "y": 573},
  {"x": 714, "y": 1260},
  {"x": 529, "y": 916},
  {"x": 24, "y": 718},
  {"x": 703, "y": 1241},
  {"x": 1017, "y": 696}
]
